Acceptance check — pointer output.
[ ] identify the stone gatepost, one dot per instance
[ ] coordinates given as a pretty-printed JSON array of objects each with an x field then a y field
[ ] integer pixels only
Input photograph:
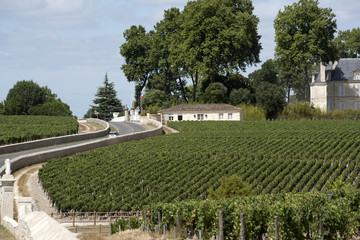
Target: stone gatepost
[
  {"x": 7, "y": 201},
  {"x": 127, "y": 118}
]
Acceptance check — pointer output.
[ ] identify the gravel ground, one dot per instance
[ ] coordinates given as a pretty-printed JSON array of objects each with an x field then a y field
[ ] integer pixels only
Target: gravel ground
[{"x": 41, "y": 202}]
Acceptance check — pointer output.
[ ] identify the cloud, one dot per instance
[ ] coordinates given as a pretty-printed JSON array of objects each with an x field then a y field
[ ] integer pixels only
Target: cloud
[{"x": 42, "y": 14}]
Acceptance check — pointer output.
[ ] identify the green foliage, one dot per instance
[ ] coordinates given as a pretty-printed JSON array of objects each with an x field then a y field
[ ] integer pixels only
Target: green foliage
[
  {"x": 239, "y": 96},
  {"x": 2, "y": 108},
  {"x": 271, "y": 98},
  {"x": 268, "y": 73},
  {"x": 156, "y": 99},
  {"x": 304, "y": 34},
  {"x": 231, "y": 187},
  {"x": 300, "y": 110},
  {"x": 272, "y": 156},
  {"x": 106, "y": 101},
  {"x": 28, "y": 98},
  {"x": 349, "y": 43},
  {"x": 14, "y": 129},
  {"x": 51, "y": 108},
  {"x": 136, "y": 50},
  {"x": 208, "y": 38},
  {"x": 252, "y": 113},
  {"x": 215, "y": 93},
  {"x": 299, "y": 215},
  {"x": 123, "y": 224}
]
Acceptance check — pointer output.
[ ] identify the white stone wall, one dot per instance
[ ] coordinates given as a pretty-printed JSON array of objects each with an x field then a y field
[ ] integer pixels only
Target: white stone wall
[
  {"x": 207, "y": 116},
  {"x": 318, "y": 96}
]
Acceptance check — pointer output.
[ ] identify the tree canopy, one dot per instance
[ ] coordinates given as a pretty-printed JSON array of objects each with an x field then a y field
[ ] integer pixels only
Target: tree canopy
[
  {"x": 106, "y": 102},
  {"x": 304, "y": 35},
  {"x": 230, "y": 187},
  {"x": 349, "y": 43},
  {"x": 209, "y": 38},
  {"x": 28, "y": 98}
]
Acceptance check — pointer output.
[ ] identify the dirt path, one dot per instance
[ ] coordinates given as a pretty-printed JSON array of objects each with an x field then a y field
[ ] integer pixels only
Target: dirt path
[
  {"x": 86, "y": 127},
  {"x": 27, "y": 185}
]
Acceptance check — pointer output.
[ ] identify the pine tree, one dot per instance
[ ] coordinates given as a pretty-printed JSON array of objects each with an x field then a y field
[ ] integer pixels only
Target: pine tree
[{"x": 106, "y": 101}]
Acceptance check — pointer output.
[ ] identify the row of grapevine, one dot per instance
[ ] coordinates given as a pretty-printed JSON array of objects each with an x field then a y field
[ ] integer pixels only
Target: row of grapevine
[
  {"x": 272, "y": 156},
  {"x": 15, "y": 129},
  {"x": 300, "y": 216}
]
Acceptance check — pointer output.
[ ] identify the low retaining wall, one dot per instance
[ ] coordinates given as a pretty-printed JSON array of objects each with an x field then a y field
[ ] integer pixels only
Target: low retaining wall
[
  {"x": 57, "y": 140},
  {"x": 30, "y": 159}
]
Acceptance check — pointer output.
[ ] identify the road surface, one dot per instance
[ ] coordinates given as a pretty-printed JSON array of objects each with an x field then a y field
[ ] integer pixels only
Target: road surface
[{"x": 121, "y": 127}]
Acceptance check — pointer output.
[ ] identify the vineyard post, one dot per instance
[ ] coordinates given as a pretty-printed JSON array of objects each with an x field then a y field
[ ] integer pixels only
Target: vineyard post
[
  {"x": 178, "y": 218},
  {"x": 242, "y": 229},
  {"x": 119, "y": 227},
  {"x": 110, "y": 229},
  {"x": 94, "y": 218},
  {"x": 100, "y": 228},
  {"x": 159, "y": 218},
  {"x": 129, "y": 223},
  {"x": 73, "y": 218},
  {"x": 277, "y": 228},
  {"x": 221, "y": 228},
  {"x": 200, "y": 234},
  {"x": 156, "y": 228},
  {"x": 329, "y": 197},
  {"x": 164, "y": 229},
  {"x": 320, "y": 229},
  {"x": 167, "y": 220},
  {"x": 174, "y": 232}
]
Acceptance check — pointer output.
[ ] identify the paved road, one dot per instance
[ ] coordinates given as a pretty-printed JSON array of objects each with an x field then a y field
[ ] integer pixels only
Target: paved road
[
  {"x": 122, "y": 129},
  {"x": 127, "y": 127}
]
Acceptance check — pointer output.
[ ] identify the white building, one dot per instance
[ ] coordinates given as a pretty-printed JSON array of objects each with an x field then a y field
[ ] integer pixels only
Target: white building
[
  {"x": 337, "y": 86},
  {"x": 199, "y": 112}
]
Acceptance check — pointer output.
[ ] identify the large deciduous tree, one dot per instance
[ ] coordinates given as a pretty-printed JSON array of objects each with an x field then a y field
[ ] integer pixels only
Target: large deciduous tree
[
  {"x": 218, "y": 37},
  {"x": 138, "y": 67},
  {"x": 304, "y": 35},
  {"x": 349, "y": 43},
  {"x": 106, "y": 101},
  {"x": 28, "y": 98}
]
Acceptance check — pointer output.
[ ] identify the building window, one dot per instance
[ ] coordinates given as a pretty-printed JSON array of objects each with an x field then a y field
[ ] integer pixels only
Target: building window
[
  {"x": 205, "y": 116},
  {"x": 180, "y": 117},
  {"x": 200, "y": 117},
  {"x": 342, "y": 91},
  {"x": 357, "y": 75},
  {"x": 357, "y": 105},
  {"x": 341, "y": 106},
  {"x": 221, "y": 116},
  {"x": 194, "y": 116},
  {"x": 229, "y": 116},
  {"x": 171, "y": 117},
  {"x": 357, "y": 90}
]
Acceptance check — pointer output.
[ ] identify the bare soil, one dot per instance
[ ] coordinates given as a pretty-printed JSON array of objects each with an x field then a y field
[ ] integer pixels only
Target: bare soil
[{"x": 86, "y": 127}]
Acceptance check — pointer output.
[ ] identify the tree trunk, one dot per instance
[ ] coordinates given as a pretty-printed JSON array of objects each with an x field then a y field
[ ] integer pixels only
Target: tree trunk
[
  {"x": 183, "y": 90},
  {"x": 195, "y": 82}
]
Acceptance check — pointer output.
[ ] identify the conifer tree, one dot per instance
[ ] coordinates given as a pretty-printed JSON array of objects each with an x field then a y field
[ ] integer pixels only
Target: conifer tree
[{"x": 106, "y": 101}]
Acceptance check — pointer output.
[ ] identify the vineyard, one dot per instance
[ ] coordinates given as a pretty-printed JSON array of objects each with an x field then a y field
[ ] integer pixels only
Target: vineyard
[
  {"x": 272, "y": 156},
  {"x": 15, "y": 129}
]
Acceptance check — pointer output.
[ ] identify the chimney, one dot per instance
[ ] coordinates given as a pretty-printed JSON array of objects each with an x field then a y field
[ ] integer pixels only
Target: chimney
[
  {"x": 322, "y": 72},
  {"x": 334, "y": 65}
]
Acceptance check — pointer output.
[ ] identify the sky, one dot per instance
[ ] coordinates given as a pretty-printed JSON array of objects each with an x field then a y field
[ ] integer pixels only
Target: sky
[{"x": 69, "y": 45}]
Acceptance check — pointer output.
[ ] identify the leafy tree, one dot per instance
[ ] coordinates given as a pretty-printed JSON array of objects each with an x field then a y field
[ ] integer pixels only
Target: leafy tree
[
  {"x": 217, "y": 37},
  {"x": 215, "y": 93},
  {"x": 28, "y": 98},
  {"x": 304, "y": 35},
  {"x": 106, "y": 101},
  {"x": 349, "y": 43},
  {"x": 23, "y": 96},
  {"x": 268, "y": 73},
  {"x": 239, "y": 96},
  {"x": 168, "y": 74},
  {"x": 156, "y": 98},
  {"x": 231, "y": 187},
  {"x": 51, "y": 108},
  {"x": 272, "y": 98},
  {"x": 2, "y": 108},
  {"x": 138, "y": 67}
]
